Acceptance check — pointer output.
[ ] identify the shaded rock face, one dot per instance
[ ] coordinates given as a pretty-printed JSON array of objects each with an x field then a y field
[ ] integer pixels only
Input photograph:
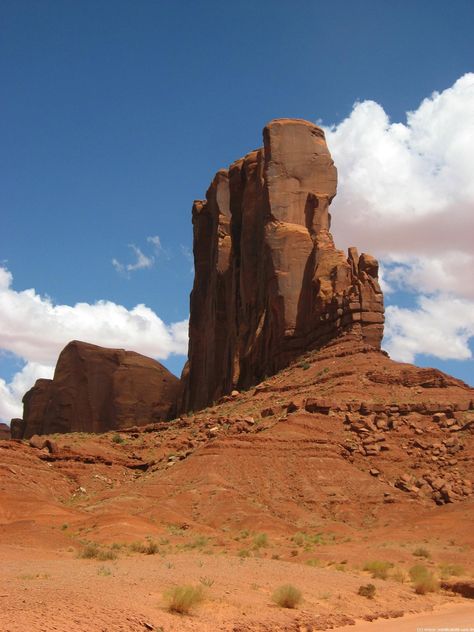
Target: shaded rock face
[
  {"x": 95, "y": 389},
  {"x": 269, "y": 282},
  {"x": 4, "y": 431}
]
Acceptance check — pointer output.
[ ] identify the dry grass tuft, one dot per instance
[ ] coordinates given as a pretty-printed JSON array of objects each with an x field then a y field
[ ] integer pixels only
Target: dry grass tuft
[
  {"x": 182, "y": 599},
  {"x": 287, "y": 596}
]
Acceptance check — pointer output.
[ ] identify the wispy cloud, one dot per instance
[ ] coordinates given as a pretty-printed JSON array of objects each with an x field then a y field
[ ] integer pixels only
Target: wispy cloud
[
  {"x": 156, "y": 241},
  {"x": 141, "y": 262}
]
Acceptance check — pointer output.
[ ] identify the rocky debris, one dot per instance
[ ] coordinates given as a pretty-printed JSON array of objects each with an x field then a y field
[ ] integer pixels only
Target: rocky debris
[
  {"x": 4, "y": 432},
  {"x": 269, "y": 282},
  {"x": 95, "y": 389},
  {"x": 463, "y": 587},
  {"x": 433, "y": 450}
]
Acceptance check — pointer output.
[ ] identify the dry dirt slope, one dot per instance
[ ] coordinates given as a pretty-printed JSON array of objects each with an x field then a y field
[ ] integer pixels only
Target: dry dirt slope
[{"x": 343, "y": 457}]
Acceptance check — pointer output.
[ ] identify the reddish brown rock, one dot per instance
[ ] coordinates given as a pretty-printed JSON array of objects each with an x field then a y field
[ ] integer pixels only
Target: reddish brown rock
[
  {"x": 95, "y": 389},
  {"x": 17, "y": 428},
  {"x": 270, "y": 283},
  {"x": 4, "y": 431}
]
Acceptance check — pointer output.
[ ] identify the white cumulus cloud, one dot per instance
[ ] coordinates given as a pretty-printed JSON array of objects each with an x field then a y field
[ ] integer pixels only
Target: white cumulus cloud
[
  {"x": 439, "y": 326},
  {"x": 35, "y": 329},
  {"x": 406, "y": 195}
]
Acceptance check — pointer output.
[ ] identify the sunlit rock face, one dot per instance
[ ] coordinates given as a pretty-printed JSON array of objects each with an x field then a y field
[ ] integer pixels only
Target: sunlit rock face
[{"x": 269, "y": 282}]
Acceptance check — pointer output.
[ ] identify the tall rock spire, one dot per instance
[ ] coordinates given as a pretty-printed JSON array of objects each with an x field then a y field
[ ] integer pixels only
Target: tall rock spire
[{"x": 269, "y": 282}]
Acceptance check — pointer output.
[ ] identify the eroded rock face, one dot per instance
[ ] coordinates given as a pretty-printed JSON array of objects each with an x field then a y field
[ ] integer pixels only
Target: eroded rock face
[
  {"x": 4, "y": 431},
  {"x": 269, "y": 282},
  {"x": 95, "y": 389}
]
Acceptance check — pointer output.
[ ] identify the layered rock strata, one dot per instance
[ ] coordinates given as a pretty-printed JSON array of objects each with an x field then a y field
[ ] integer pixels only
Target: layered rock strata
[
  {"x": 95, "y": 389},
  {"x": 269, "y": 282}
]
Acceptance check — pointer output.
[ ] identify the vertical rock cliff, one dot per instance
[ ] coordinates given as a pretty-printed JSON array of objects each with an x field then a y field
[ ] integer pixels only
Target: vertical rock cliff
[{"x": 269, "y": 282}]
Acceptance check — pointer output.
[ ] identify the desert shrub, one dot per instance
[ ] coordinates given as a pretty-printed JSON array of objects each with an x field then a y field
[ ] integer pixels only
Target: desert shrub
[
  {"x": 198, "y": 542},
  {"x": 116, "y": 438},
  {"x": 287, "y": 596},
  {"x": 367, "y": 591},
  {"x": 182, "y": 599},
  {"x": 423, "y": 580},
  {"x": 313, "y": 562},
  {"x": 398, "y": 576},
  {"x": 106, "y": 554},
  {"x": 137, "y": 547},
  {"x": 260, "y": 540},
  {"x": 243, "y": 553},
  {"x": 299, "y": 538},
  {"x": 93, "y": 551},
  {"x": 206, "y": 581},
  {"x": 451, "y": 570},
  {"x": 422, "y": 552},
  {"x": 378, "y": 568},
  {"x": 104, "y": 571}
]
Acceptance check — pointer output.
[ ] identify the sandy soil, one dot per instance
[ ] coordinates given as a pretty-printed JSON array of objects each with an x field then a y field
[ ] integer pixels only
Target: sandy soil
[{"x": 42, "y": 591}]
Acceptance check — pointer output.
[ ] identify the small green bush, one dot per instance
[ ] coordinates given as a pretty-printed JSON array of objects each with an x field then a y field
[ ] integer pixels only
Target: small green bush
[
  {"x": 367, "y": 591},
  {"x": 116, "y": 438},
  {"x": 260, "y": 540},
  {"x": 423, "y": 580},
  {"x": 378, "y": 568},
  {"x": 287, "y": 596},
  {"x": 451, "y": 570},
  {"x": 182, "y": 599}
]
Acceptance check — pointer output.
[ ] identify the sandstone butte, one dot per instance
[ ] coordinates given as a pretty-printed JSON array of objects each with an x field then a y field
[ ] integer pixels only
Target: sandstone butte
[
  {"x": 95, "y": 389},
  {"x": 269, "y": 282},
  {"x": 337, "y": 454}
]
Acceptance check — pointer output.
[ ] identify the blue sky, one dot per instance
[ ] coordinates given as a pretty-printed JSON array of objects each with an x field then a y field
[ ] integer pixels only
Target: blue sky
[{"x": 116, "y": 115}]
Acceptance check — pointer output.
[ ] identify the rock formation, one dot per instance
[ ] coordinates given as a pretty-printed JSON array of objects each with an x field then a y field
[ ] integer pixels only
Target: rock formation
[
  {"x": 269, "y": 282},
  {"x": 95, "y": 389},
  {"x": 4, "y": 431}
]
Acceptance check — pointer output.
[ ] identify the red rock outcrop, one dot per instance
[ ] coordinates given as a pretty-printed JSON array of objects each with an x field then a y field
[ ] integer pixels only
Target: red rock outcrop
[
  {"x": 269, "y": 282},
  {"x": 4, "y": 431},
  {"x": 95, "y": 389}
]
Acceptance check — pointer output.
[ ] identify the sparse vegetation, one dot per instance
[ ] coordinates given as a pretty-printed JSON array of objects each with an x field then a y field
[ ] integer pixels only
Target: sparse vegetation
[
  {"x": 260, "y": 540},
  {"x": 378, "y": 568},
  {"x": 104, "y": 571},
  {"x": 243, "y": 553},
  {"x": 451, "y": 570},
  {"x": 197, "y": 543},
  {"x": 147, "y": 548},
  {"x": 313, "y": 562},
  {"x": 93, "y": 551},
  {"x": 287, "y": 596},
  {"x": 398, "y": 575},
  {"x": 182, "y": 599},
  {"x": 423, "y": 580},
  {"x": 206, "y": 581},
  {"x": 117, "y": 438},
  {"x": 422, "y": 552},
  {"x": 367, "y": 591}
]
